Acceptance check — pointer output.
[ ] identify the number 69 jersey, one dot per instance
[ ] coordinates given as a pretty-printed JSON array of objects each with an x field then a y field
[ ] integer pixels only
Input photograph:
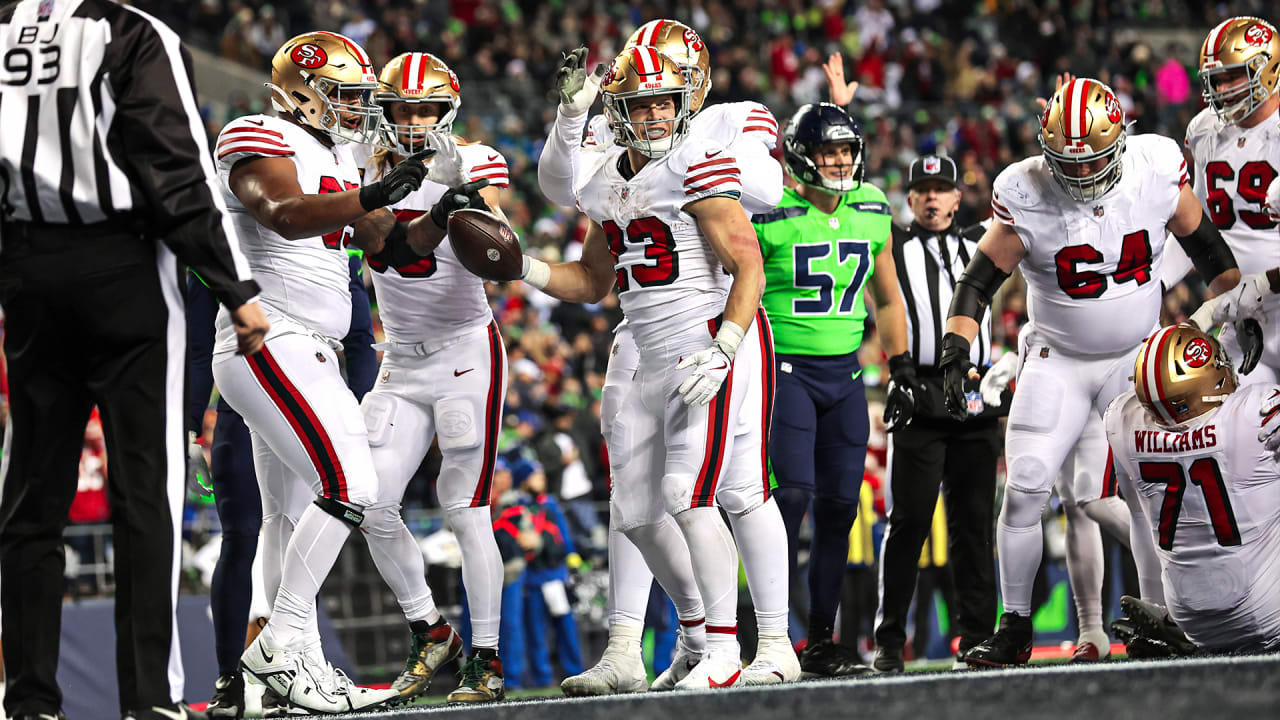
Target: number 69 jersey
[
  {"x": 1093, "y": 269},
  {"x": 667, "y": 273},
  {"x": 307, "y": 279},
  {"x": 1211, "y": 493}
]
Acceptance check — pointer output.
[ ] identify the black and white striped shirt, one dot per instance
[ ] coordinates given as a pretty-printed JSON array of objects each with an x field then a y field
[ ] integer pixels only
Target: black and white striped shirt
[
  {"x": 101, "y": 125},
  {"x": 929, "y": 264}
]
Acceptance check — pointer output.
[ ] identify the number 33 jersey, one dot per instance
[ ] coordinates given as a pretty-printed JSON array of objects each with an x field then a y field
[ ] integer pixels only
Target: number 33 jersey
[
  {"x": 1211, "y": 492},
  {"x": 1093, "y": 268},
  {"x": 667, "y": 273},
  {"x": 308, "y": 278}
]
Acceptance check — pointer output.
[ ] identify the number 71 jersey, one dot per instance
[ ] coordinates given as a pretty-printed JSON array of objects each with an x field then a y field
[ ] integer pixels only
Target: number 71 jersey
[
  {"x": 1211, "y": 492},
  {"x": 667, "y": 273},
  {"x": 1093, "y": 268}
]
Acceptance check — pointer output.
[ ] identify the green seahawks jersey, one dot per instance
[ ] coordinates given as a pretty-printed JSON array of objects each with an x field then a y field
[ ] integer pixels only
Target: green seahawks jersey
[{"x": 815, "y": 267}]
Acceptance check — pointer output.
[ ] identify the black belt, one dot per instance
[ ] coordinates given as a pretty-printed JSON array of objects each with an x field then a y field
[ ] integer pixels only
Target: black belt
[{"x": 55, "y": 237}]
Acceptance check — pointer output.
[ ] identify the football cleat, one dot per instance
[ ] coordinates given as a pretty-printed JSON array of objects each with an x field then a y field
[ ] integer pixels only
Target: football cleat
[
  {"x": 1152, "y": 622},
  {"x": 274, "y": 706},
  {"x": 681, "y": 665},
  {"x": 1010, "y": 646},
  {"x": 429, "y": 652},
  {"x": 618, "y": 671},
  {"x": 826, "y": 658},
  {"x": 482, "y": 681},
  {"x": 1093, "y": 646},
  {"x": 306, "y": 684},
  {"x": 887, "y": 660},
  {"x": 720, "y": 667},
  {"x": 228, "y": 697},
  {"x": 775, "y": 662}
]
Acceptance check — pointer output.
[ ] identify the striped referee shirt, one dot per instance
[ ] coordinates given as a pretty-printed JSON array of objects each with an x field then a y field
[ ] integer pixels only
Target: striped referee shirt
[
  {"x": 101, "y": 125},
  {"x": 929, "y": 264}
]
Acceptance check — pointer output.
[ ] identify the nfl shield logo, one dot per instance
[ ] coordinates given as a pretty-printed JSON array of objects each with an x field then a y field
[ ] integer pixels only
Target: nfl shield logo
[
  {"x": 1240, "y": 142},
  {"x": 932, "y": 166},
  {"x": 624, "y": 192},
  {"x": 1098, "y": 211},
  {"x": 45, "y": 10}
]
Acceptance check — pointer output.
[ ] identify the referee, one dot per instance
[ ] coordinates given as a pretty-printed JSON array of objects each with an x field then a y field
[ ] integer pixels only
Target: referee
[
  {"x": 107, "y": 185},
  {"x": 930, "y": 255}
]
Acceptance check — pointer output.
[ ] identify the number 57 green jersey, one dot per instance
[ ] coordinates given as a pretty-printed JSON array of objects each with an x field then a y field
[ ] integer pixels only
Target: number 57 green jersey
[{"x": 815, "y": 268}]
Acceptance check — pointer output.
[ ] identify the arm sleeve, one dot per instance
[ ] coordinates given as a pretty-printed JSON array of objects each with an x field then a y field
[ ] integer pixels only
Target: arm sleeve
[
  {"x": 167, "y": 154},
  {"x": 357, "y": 346},
  {"x": 202, "y": 308},
  {"x": 761, "y": 177},
  {"x": 558, "y": 160},
  {"x": 1011, "y": 199}
]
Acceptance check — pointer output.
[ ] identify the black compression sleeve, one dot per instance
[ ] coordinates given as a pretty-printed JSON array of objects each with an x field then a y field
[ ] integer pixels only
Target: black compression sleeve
[
  {"x": 1207, "y": 250},
  {"x": 976, "y": 286},
  {"x": 395, "y": 250}
]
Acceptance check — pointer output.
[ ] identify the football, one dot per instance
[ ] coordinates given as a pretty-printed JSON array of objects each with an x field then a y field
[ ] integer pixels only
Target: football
[{"x": 485, "y": 245}]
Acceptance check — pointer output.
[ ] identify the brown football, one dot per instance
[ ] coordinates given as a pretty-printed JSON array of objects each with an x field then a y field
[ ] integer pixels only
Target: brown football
[{"x": 485, "y": 245}]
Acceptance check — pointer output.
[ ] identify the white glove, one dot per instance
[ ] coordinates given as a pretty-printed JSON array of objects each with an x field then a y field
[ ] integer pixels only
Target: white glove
[
  {"x": 710, "y": 366},
  {"x": 1269, "y": 436},
  {"x": 1271, "y": 205},
  {"x": 445, "y": 167},
  {"x": 1240, "y": 302},
  {"x": 199, "y": 480},
  {"x": 998, "y": 377},
  {"x": 578, "y": 88}
]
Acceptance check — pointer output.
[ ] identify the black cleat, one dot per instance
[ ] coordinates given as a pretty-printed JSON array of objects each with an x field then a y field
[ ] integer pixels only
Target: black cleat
[
  {"x": 1010, "y": 646},
  {"x": 1153, "y": 623},
  {"x": 228, "y": 697},
  {"x": 888, "y": 660},
  {"x": 828, "y": 659}
]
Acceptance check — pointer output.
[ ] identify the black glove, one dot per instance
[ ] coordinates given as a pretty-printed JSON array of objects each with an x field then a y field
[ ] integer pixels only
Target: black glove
[
  {"x": 903, "y": 386},
  {"x": 1249, "y": 335},
  {"x": 397, "y": 183},
  {"x": 463, "y": 196},
  {"x": 955, "y": 366}
]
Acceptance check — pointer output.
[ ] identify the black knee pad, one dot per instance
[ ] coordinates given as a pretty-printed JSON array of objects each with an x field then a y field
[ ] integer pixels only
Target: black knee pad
[{"x": 345, "y": 513}]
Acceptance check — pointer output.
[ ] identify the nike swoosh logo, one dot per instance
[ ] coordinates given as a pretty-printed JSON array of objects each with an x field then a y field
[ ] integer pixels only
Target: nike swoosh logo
[
  {"x": 265, "y": 656},
  {"x": 723, "y": 366},
  {"x": 732, "y": 679},
  {"x": 180, "y": 715},
  {"x": 259, "y": 123},
  {"x": 492, "y": 158},
  {"x": 457, "y": 373},
  {"x": 711, "y": 155}
]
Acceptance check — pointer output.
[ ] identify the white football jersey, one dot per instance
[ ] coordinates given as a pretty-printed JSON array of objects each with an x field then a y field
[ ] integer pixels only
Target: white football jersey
[
  {"x": 667, "y": 273},
  {"x": 1211, "y": 492},
  {"x": 1093, "y": 269},
  {"x": 306, "y": 279},
  {"x": 434, "y": 298},
  {"x": 1234, "y": 166},
  {"x": 746, "y": 129}
]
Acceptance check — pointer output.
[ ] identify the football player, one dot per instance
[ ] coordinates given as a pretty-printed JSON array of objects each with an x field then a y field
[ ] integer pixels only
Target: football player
[
  {"x": 669, "y": 231},
  {"x": 749, "y": 131},
  {"x": 1235, "y": 144},
  {"x": 1186, "y": 437},
  {"x": 293, "y": 197},
  {"x": 443, "y": 377},
  {"x": 829, "y": 238},
  {"x": 1086, "y": 220}
]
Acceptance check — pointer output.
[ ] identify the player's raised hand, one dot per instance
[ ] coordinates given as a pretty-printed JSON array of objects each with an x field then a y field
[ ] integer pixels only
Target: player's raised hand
[
  {"x": 251, "y": 328},
  {"x": 576, "y": 87},
  {"x": 1063, "y": 79},
  {"x": 840, "y": 92}
]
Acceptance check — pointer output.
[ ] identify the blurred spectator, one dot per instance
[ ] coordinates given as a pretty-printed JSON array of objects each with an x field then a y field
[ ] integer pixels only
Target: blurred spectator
[{"x": 266, "y": 34}]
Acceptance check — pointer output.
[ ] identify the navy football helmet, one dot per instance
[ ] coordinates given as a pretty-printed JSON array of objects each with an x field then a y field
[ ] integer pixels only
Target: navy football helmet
[{"x": 813, "y": 126}]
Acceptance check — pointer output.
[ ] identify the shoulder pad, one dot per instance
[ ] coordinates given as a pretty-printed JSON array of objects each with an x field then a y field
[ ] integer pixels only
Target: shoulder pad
[
  {"x": 484, "y": 163},
  {"x": 782, "y": 213}
]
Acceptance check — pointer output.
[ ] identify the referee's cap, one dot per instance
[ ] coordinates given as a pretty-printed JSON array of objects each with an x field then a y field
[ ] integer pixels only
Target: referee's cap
[{"x": 932, "y": 167}]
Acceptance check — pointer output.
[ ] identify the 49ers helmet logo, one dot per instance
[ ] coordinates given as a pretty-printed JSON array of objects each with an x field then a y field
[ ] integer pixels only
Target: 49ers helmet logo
[
  {"x": 1197, "y": 353},
  {"x": 453, "y": 82},
  {"x": 1114, "y": 113},
  {"x": 309, "y": 56},
  {"x": 610, "y": 74},
  {"x": 692, "y": 41},
  {"x": 1257, "y": 34}
]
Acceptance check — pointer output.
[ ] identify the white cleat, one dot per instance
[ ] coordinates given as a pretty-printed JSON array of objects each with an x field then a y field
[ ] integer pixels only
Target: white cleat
[
  {"x": 305, "y": 684},
  {"x": 617, "y": 672},
  {"x": 776, "y": 662},
  {"x": 684, "y": 661},
  {"x": 720, "y": 667}
]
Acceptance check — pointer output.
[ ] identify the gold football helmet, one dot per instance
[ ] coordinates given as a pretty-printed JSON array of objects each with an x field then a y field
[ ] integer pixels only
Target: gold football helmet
[
  {"x": 1182, "y": 373},
  {"x": 326, "y": 82},
  {"x": 683, "y": 44},
  {"x": 642, "y": 72},
  {"x": 1081, "y": 124},
  {"x": 1241, "y": 43},
  {"x": 417, "y": 78}
]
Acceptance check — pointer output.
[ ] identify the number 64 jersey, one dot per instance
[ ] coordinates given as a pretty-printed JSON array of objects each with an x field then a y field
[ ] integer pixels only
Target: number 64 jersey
[
  {"x": 1211, "y": 493},
  {"x": 1093, "y": 269},
  {"x": 668, "y": 276}
]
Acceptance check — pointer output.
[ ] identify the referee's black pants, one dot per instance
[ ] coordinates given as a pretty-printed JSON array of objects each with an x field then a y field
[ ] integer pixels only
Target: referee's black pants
[
  {"x": 90, "y": 319},
  {"x": 962, "y": 457}
]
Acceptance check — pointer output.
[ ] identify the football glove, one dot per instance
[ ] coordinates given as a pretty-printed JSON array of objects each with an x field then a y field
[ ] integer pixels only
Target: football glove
[
  {"x": 956, "y": 367},
  {"x": 445, "y": 167},
  {"x": 1242, "y": 301},
  {"x": 454, "y": 199},
  {"x": 1249, "y": 336},
  {"x": 710, "y": 366},
  {"x": 576, "y": 87},
  {"x": 401, "y": 180},
  {"x": 900, "y": 404},
  {"x": 998, "y": 378},
  {"x": 199, "y": 480},
  {"x": 1269, "y": 435}
]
